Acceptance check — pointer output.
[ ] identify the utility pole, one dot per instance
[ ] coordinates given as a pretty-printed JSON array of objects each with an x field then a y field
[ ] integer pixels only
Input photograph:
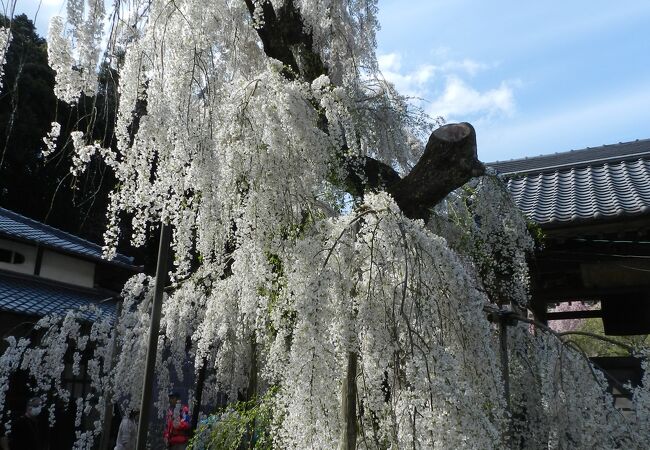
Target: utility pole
[
  {"x": 154, "y": 330},
  {"x": 108, "y": 404}
]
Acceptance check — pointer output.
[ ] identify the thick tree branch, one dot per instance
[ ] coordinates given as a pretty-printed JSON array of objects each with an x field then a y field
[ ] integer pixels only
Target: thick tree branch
[
  {"x": 368, "y": 174},
  {"x": 448, "y": 162},
  {"x": 449, "y": 159},
  {"x": 284, "y": 38}
]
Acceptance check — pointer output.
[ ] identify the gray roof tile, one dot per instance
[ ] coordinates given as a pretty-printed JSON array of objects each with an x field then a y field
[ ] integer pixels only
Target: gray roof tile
[
  {"x": 581, "y": 185},
  {"x": 575, "y": 158},
  {"x": 14, "y": 225},
  {"x": 36, "y": 298}
]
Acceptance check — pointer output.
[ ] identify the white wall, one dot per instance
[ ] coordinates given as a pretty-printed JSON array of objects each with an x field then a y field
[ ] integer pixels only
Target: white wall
[
  {"x": 28, "y": 251},
  {"x": 67, "y": 269}
]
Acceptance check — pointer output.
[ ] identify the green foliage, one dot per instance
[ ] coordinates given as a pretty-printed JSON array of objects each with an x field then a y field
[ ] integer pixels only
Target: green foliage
[
  {"x": 537, "y": 233},
  {"x": 239, "y": 426},
  {"x": 595, "y": 347},
  {"x": 27, "y": 107},
  {"x": 288, "y": 317}
]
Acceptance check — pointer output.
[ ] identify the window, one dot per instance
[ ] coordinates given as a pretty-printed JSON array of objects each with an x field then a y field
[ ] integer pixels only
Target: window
[
  {"x": 11, "y": 257},
  {"x": 78, "y": 385}
]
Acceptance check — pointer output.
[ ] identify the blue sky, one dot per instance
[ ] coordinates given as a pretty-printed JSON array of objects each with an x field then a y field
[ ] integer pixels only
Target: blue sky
[{"x": 533, "y": 77}]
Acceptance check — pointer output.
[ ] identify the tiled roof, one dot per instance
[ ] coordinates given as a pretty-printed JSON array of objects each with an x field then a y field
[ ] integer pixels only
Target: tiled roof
[
  {"x": 15, "y": 226},
  {"x": 582, "y": 185},
  {"x": 575, "y": 158},
  {"x": 34, "y": 297}
]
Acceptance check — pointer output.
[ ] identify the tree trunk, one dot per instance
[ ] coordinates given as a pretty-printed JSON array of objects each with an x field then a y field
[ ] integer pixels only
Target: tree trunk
[
  {"x": 251, "y": 391},
  {"x": 349, "y": 405},
  {"x": 198, "y": 395},
  {"x": 449, "y": 159}
]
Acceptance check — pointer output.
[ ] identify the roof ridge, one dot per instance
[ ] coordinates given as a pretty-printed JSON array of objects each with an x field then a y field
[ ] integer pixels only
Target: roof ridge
[
  {"x": 119, "y": 258},
  {"x": 589, "y": 157},
  {"x": 41, "y": 224},
  {"x": 566, "y": 152},
  {"x": 581, "y": 164},
  {"x": 594, "y": 191}
]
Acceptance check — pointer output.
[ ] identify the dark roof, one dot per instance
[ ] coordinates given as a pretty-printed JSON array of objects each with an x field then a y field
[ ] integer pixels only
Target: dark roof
[
  {"x": 581, "y": 185},
  {"x": 628, "y": 151},
  {"x": 35, "y": 297},
  {"x": 15, "y": 226}
]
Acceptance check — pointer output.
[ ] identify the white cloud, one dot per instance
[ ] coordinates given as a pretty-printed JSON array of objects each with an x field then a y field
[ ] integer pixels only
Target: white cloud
[
  {"x": 459, "y": 99},
  {"x": 392, "y": 62},
  {"x": 416, "y": 83},
  {"x": 413, "y": 84},
  {"x": 389, "y": 61},
  {"x": 467, "y": 65}
]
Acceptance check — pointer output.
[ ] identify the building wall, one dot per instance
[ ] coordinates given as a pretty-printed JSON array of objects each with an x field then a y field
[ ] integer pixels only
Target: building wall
[
  {"x": 67, "y": 269},
  {"x": 26, "y": 250}
]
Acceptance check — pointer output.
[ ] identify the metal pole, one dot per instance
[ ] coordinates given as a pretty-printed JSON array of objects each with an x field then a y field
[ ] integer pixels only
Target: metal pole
[
  {"x": 108, "y": 404},
  {"x": 503, "y": 350},
  {"x": 154, "y": 329}
]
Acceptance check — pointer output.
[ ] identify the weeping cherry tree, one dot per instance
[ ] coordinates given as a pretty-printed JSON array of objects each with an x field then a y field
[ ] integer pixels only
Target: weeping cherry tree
[{"x": 335, "y": 251}]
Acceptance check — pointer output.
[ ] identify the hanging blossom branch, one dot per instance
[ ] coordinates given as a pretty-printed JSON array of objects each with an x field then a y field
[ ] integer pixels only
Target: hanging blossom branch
[
  {"x": 571, "y": 399},
  {"x": 599, "y": 337},
  {"x": 5, "y": 40},
  {"x": 81, "y": 335},
  {"x": 245, "y": 125}
]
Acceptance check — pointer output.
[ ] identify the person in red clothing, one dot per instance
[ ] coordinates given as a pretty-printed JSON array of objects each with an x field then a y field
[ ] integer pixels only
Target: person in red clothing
[{"x": 177, "y": 426}]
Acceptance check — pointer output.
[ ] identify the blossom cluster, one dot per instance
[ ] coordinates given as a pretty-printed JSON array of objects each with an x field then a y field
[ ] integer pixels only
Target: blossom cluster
[
  {"x": 428, "y": 375},
  {"x": 5, "y": 40},
  {"x": 56, "y": 340},
  {"x": 74, "y": 50},
  {"x": 274, "y": 286},
  {"x": 51, "y": 138},
  {"x": 481, "y": 222},
  {"x": 559, "y": 400}
]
